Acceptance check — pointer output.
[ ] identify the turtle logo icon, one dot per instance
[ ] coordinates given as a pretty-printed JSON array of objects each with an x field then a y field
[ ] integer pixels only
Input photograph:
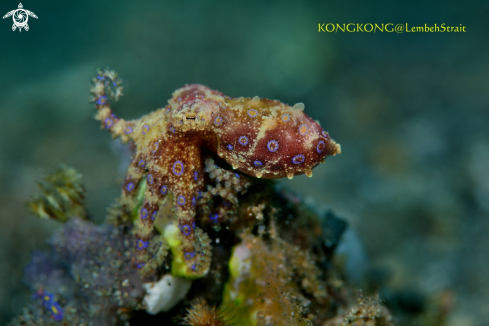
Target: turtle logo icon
[{"x": 20, "y": 17}]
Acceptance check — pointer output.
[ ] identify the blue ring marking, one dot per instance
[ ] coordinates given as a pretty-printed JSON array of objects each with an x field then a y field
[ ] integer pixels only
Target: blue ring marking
[
  {"x": 320, "y": 150},
  {"x": 142, "y": 244},
  {"x": 145, "y": 129},
  {"x": 100, "y": 77},
  {"x": 230, "y": 147},
  {"x": 194, "y": 201},
  {"x": 214, "y": 217},
  {"x": 181, "y": 200},
  {"x": 140, "y": 265},
  {"x": 175, "y": 165},
  {"x": 130, "y": 186},
  {"x": 217, "y": 120},
  {"x": 150, "y": 179},
  {"x": 193, "y": 225},
  {"x": 237, "y": 175},
  {"x": 257, "y": 163},
  {"x": 142, "y": 163},
  {"x": 199, "y": 195},
  {"x": 163, "y": 190},
  {"x": 194, "y": 265},
  {"x": 305, "y": 132},
  {"x": 272, "y": 146},
  {"x": 223, "y": 106},
  {"x": 128, "y": 130},
  {"x": 108, "y": 123},
  {"x": 172, "y": 129},
  {"x": 101, "y": 100},
  {"x": 325, "y": 134},
  {"x": 186, "y": 229},
  {"x": 196, "y": 175},
  {"x": 227, "y": 204},
  {"x": 153, "y": 216},
  {"x": 252, "y": 113},
  {"x": 243, "y": 140},
  {"x": 144, "y": 213},
  {"x": 285, "y": 117},
  {"x": 298, "y": 159},
  {"x": 155, "y": 147},
  {"x": 189, "y": 255},
  {"x": 114, "y": 84}
]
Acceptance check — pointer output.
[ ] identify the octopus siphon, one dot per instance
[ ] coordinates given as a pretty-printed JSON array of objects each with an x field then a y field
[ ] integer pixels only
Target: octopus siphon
[{"x": 259, "y": 137}]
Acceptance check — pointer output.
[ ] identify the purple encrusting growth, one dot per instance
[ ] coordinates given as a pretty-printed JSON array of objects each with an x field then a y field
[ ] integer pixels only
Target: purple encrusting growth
[{"x": 88, "y": 265}]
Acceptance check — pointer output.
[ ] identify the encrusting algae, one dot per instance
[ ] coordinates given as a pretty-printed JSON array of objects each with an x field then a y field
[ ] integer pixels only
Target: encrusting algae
[{"x": 196, "y": 220}]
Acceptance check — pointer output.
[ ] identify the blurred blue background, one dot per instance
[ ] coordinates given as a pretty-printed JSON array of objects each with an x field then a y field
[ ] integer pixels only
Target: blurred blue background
[{"x": 410, "y": 111}]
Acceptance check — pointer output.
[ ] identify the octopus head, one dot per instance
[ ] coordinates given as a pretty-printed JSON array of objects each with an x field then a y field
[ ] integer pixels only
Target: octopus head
[{"x": 192, "y": 107}]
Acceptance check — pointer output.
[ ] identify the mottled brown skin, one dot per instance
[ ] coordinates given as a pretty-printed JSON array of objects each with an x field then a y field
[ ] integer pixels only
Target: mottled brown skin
[{"x": 260, "y": 137}]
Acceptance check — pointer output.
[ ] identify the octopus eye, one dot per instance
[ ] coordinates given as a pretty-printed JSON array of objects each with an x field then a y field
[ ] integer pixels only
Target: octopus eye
[
  {"x": 243, "y": 140},
  {"x": 252, "y": 113},
  {"x": 285, "y": 117},
  {"x": 108, "y": 123},
  {"x": 303, "y": 129},
  {"x": 272, "y": 146},
  {"x": 320, "y": 147},
  {"x": 298, "y": 159},
  {"x": 128, "y": 130},
  {"x": 257, "y": 163},
  {"x": 178, "y": 168},
  {"x": 217, "y": 121},
  {"x": 145, "y": 129}
]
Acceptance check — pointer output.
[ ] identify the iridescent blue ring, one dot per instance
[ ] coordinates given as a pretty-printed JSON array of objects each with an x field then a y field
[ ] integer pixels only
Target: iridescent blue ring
[
  {"x": 128, "y": 130},
  {"x": 186, "y": 229},
  {"x": 305, "y": 132},
  {"x": 181, "y": 166},
  {"x": 108, "y": 123},
  {"x": 321, "y": 146},
  {"x": 196, "y": 175},
  {"x": 130, "y": 186},
  {"x": 285, "y": 117},
  {"x": 144, "y": 213},
  {"x": 189, "y": 255},
  {"x": 214, "y": 217},
  {"x": 142, "y": 244},
  {"x": 272, "y": 146},
  {"x": 145, "y": 129},
  {"x": 217, "y": 120},
  {"x": 298, "y": 159},
  {"x": 142, "y": 163},
  {"x": 194, "y": 201},
  {"x": 149, "y": 177},
  {"x": 181, "y": 200},
  {"x": 230, "y": 147},
  {"x": 257, "y": 163},
  {"x": 172, "y": 129},
  {"x": 252, "y": 113},
  {"x": 155, "y": 147},
  {"x": 101, "y": 100},
  {"x": 153, "y": 216},
  {"x": 325, "y": 134},
  {"x": 243, "y": 140},
  {"x": 163, "y": 190}
]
